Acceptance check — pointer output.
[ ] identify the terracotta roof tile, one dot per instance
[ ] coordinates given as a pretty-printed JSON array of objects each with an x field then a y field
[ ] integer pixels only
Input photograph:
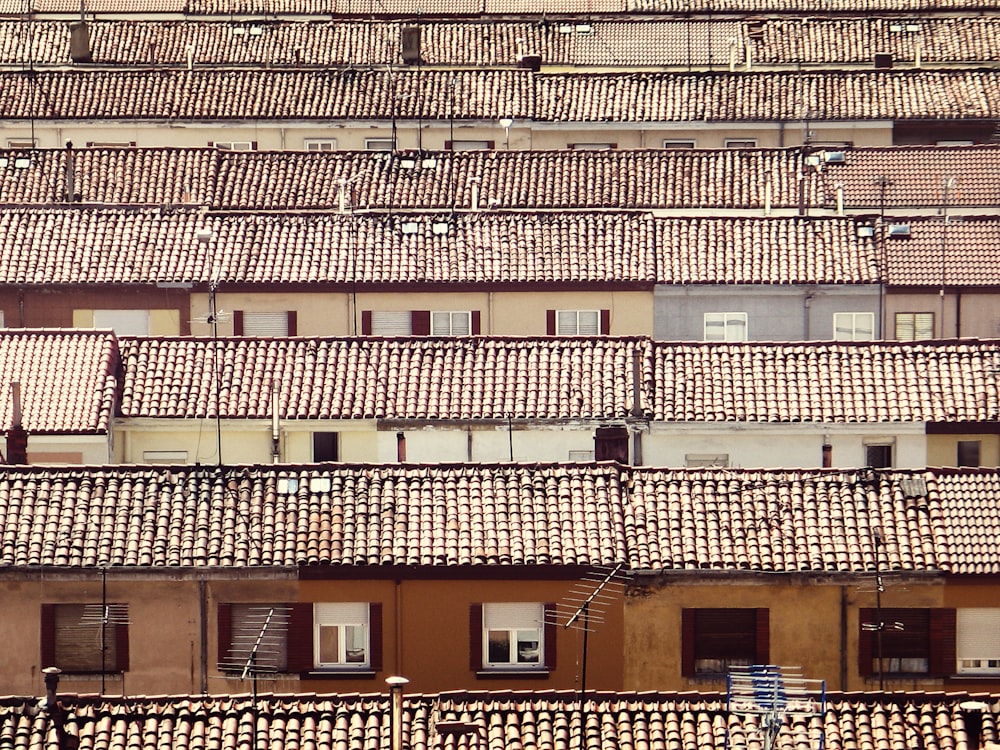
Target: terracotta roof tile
[
  {"x": 79, "y": 366},
  {"x": 529, "y": 720},
  {"x": 933, "y": 382},
  {"x": 117, "y": 95},
  {"x": 960, "y": 253},
  {"x": 78, "y": 246},
  {"x": 564, "y": 378}
]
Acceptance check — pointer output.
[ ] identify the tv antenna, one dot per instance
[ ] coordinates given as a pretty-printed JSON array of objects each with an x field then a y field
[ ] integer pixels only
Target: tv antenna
[
  {"x": 258, "y": 643},
  {"x": 879, "y": 626},
  {"x": 103, "y": 617},
  {"x": 772, "y": 694}
]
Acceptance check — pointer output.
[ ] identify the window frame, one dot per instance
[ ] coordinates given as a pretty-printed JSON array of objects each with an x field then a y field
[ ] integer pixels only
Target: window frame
[
  {"x": 740, "y": 143},
  {"x": 853, "y": 326},
  {"x": 341, "y": 621},
  {"x": 914, "y": 319},
  {"x": 451, "y": 322},
  {"x": 479, "y": 628},
  {"x": 123, "y": 327},
  {"x": 470, "y": 144},
  {"x": 727, "y": 318},
  {"x": 319, "y": 145},
  {"x": 592, "y": 146},
  {"x": 234, "y": 145},
  {"x": 704, "y": 637},
  {"x": 244, "y": 318},
  {"x": 119, "y": 635},
  {"x": 379, "y": 144},
  {"x": 576, "y": 326},
  {"x": 671, "y": 144},
  {"x": 936, "y": 636},
  {"x": 966, "y": 447},
  {"x": 886, "y": 445},
  {"x": 992, "y": 615}
]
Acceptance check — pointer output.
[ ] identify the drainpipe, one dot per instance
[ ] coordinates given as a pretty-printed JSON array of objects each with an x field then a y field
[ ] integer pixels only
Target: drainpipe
[
  {"x": 401, "y": 447},
  {"x": 806, "y": 304}
]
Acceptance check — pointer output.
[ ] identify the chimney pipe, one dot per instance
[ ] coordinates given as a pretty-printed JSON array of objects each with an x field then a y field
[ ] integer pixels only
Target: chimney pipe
[
  {"x": 827, "y": 455},
  {"x": 17, "y": 438},
  {"x": 400, "y": 447}
]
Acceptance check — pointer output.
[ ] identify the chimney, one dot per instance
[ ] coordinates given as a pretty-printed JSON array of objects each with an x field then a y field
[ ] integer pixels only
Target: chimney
[
  {"x": 827, "y": 455},
  {"x": 400, "y": 447},
  {"x": 17, "y": 438}
]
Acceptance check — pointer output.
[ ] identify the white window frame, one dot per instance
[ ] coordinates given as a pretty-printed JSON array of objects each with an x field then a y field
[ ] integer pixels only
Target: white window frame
[
  {"x": 568, "y": 322},
  {"x": 741, "y": 143},
  {"x": 517, "y": 623},
  {"x": 164, "y": 457},
  {"x": 848, "y": 323},
  {"x": 18, "y": 143},
  {"x": 349, "y": 623},
  {"x": 917, "y": 323},
  {"x": 319, "y": 144},
  {"x": 977, "y": 642},
  {"x": 730, "y": 322},
  {"x": 471, "y": 144},
  {"x": 378, "y": 144},
  {"x": 594, "y": 146},
  {"x": 443, "y": 322},
  {"x": 123, "y": 322},
  {"x": 679, "y": 144},
  {"x": 261, "y": 323},
  {"x": 890, "y": 444},
  {"x": 234, "y": 145}
]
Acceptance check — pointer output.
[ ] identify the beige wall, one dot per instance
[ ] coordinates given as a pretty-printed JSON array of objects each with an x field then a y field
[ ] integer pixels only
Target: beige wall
[
  {"x": 161, "y": 322},
  {"x": 966, "y": 315},
  {"x": 805, "y": 627},
  {"x": 942, "y": 450}
]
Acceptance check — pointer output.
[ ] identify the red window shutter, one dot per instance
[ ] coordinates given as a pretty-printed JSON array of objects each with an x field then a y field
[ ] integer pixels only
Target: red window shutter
[
  {"x": 550, "y": 322},
  {"x": 237, "y": 322},
  {"x": 211, "y": 143},
  {"x": 476, "y": 323},
  {"x": 687, "y": 642},
  {"x": 300, "y": 637},
  {"x": 549, "y": 619},
  {"x": 943, "y": 658},
  {"x": 253, "y": 145},
  {"x": 366, "y": 322},
  {"x": 447, "y": 145},
  {"x": 121, "y": 648},
  {"x": 866, "y": 640},
  {"x": 375, "y": 636},
  {"x": 225, "y": 625},
  {"x": 605, "y": 322},
  {"x": 475, "y": 637},
  {"x": 420, "y": 322},
  {"x": 48, "y": 635},
  {"x": 293, "y": 323},
  {"x": 763, "y": 635}
]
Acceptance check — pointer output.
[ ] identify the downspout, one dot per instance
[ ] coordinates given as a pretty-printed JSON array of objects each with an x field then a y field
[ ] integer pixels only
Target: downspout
[
  {"x": 843, "y": 638},
  {"x": 398, "y": 635},
  {"x": 806, "y": 322},
  {"x": 958, "y": 313},
  {"x": 203, "y": 634}
]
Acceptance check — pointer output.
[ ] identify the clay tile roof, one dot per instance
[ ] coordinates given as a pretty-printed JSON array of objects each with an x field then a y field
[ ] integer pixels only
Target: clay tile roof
[
  {"x": 74, "y": 246},
  {"x": 827, "y": 382},
  {"x": 360, "y": 515},
  {"x": 530, "y": 720},
  {"x": 79, "y": 366},
  {"x": 959, "y": 252},
  {"x": 351, "y": 94},
  {"x": 507, "y": 180},
  {"x": 968, "y": 520},
  {"x": 376, "y": 378}
]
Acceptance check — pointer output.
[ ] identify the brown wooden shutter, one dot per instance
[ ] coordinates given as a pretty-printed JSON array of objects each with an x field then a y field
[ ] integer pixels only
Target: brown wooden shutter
[
  {"x": 447, "y": 145},
  {"x": 475, "y": 637},
  {"x": 293, "y": 323},
  {"x": 942, "y": 660},
  {"x": 550, "y": 635},
  {"x": 237, "y": 322},
  {"x": 605, "y": 322},
  {"x": 366, "y": 322},
  {"x": 420, "y": 322},
  {"x": 121, "y": 648},
  {"x": 253, "y": 145},
  {"x": 300, "y": 637},
  {"x": 48, "y": 635},
  {"x": 550, "y": 322},
  {"x": 476, "y": 323},
  {"x": 763, "y": 635},
  {"x": 866, "y": 642},
  {"x": 375, "y": 636},
  {"x": 225, "y": 626},
  {"x": 687, "y": 642}
]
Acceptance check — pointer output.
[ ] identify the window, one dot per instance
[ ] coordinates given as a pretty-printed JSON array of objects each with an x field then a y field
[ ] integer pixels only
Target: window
[
  {"x": 123, "y": 322},
  {"x": 878, "y": 455},
  {"x": 593, "y": 146},
  {"x": 914, "y": 642},
  {"x": 246, "y": 323},
  {"x": 324, "y": 446},
  {"x": 419, "y": 323},
  {"x": 257, "y": 631},
  {"x": 914, "y": 326},
  {"x": 2, "y": 325},
  {"x": 512, "y": 636},
  {"x": 164, "y": 457},
  {"x": 968, "y": 452},
  {"x": 234, "y": 145},
  {"x": 341, "y": 635},
  {"x": 446, "y": 323},
  {"x": 728, "y": 326},
  {"x": 978, "y": 642},
  {"x": 611, "y": 444},
  {"x": 678, "y": 144},
  {"x": 468, "y": 145},
  {"x": 110, "y": 144},
  {"x": 378, "y": 144},
  {"x": 85, "y": 637},
  {"x": 578, "y": 322},
  {"x": 741, "y": 143},
  {"x": 585, "y": 456},
  {"x": 20, "y": 143},
  {"x": 853, "y": 326},
  {"x": 699, "y": 460},
  {"x": 320, "y": 144},
  {"x": 713, "y": 640}
]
